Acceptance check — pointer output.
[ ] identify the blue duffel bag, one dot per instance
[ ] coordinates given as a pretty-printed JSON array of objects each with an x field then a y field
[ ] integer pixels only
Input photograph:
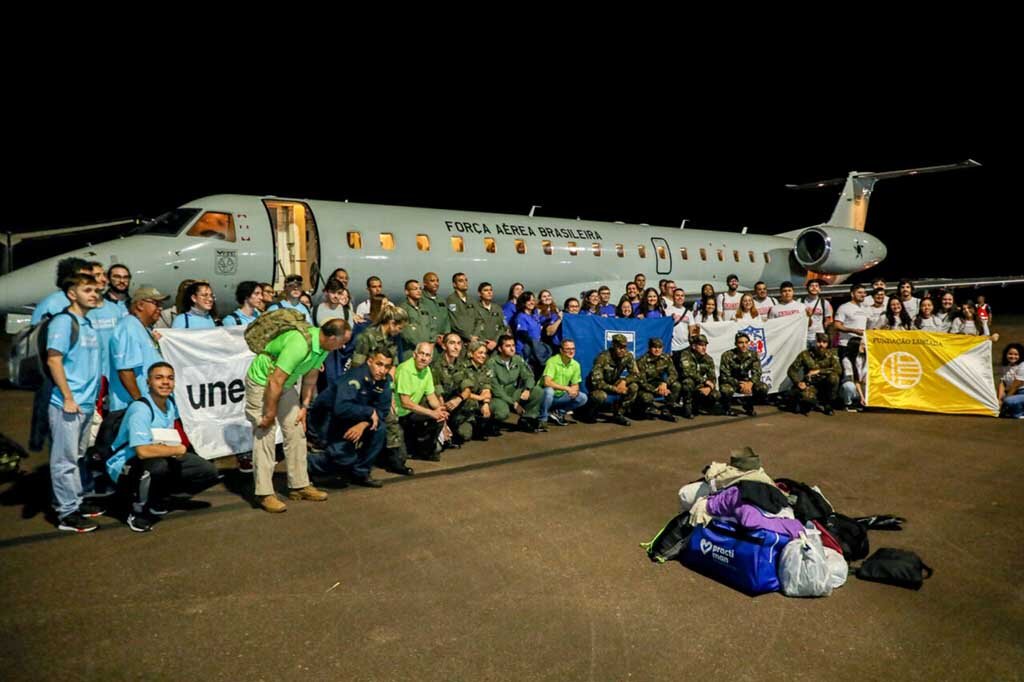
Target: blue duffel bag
[{"x": 743, "y": 559}]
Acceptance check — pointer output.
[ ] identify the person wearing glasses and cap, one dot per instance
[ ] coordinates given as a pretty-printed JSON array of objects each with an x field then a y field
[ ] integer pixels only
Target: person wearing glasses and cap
[{"x": 292, "y": 295}]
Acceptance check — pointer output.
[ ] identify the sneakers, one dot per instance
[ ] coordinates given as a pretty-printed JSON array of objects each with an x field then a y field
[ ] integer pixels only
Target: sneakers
[
  {"x": 271, "y": 504},
  {"x": 244, "y": 463},
  {"x": 90, "y": 511},
  {"x": 555, "y": 420},
  {"x": 141, "y": 522},
  {"x": 157, "y": 508},
  {"x": 851, "y": 408},
  {"x": 76, "y": 523},
  {"x": 308, "y": 493}
]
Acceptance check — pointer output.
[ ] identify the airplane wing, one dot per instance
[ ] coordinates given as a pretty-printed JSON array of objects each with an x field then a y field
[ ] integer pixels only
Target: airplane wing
[{"x": 935, "y": 283}]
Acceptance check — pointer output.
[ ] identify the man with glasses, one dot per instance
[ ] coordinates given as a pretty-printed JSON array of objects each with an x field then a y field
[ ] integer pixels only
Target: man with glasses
[
  {"x": 562, "y": 377},
  {"x": 120, "y": 278},
  {"x": 292, "y": 293}
]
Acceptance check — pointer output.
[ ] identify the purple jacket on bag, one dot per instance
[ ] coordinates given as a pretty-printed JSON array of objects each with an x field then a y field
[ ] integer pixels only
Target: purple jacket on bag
[{"x": 727, "y": 503}]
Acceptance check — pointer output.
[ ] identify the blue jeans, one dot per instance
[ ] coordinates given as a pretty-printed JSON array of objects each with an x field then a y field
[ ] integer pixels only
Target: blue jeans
[
  {"x": 848, "y": 392},
  {"x": 1013, "y": 405},
  {"x": 69, "y": 433},
  {"x": 562, "y": 402}
]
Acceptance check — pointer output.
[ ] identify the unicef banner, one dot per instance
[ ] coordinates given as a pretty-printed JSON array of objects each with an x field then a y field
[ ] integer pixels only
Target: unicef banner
[
  {"x": 593, "y": 334},
  {"x": 209, "y": 370},
  {"x": 777, "y": 343},
  {"x": 930, "y": 372}
]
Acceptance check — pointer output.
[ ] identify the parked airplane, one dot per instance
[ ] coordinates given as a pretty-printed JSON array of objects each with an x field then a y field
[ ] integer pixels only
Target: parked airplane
[{"x": 230, "y": 238}]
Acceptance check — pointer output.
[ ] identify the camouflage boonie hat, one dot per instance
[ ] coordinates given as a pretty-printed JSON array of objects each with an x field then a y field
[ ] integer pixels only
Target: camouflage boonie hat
[
  {"x": 699, "y": 338},
  {"x": 655, "y": 342},
  {"x": 619, "y": 340}
]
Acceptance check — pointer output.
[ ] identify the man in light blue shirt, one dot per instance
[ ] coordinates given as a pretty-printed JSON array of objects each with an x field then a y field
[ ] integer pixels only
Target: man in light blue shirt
[
  {"x": 157, "y": 464},
  {"x": 58, "y": 300},
  {"x": 249, "y": 295},
  {"x": 120, "y": 278},
  {"x": 133, "y": 348},
  {"x": 292, "y": 292},
  {"x": 74, "y": 361},
  {"x": 105, "y": 316}
]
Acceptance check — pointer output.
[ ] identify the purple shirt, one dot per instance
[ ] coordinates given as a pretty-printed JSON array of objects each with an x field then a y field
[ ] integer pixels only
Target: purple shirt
[{"x": 727, "y": 503}]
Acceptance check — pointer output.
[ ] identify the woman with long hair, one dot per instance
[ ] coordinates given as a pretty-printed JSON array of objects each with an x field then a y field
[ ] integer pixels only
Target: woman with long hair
[
  {"x": 747, "y": 312},
  {"x": 650, "y": 305},
  {"x": 591, "y": 304},
  {"x": 550, "y": 319},
  {"x": 509, "y": 308},
  {"x": 1011, "y": 386},
  {"x": 527, "y": 330},
  {"x": 896, "y": 316},
  {"x": 926, "y": 319},
  {"x": 199, "y": 314},
  {"x": 706, "y": 291},
  {"x": 625, "y": 308},
  {"x": 708, "y": 311},
  {"x": 968, "y": 323}
]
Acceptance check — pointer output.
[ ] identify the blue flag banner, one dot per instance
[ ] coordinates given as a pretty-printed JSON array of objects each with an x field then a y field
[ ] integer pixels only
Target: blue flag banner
[{"x": 593, "y": 334}]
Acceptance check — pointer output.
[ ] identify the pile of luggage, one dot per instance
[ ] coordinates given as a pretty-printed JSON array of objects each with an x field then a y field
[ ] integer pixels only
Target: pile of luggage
[{"x": 757, "y": 534}]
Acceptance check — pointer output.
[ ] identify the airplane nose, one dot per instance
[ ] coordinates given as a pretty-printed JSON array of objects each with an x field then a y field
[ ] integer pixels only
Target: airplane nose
[{"x": 23, "y": 288}]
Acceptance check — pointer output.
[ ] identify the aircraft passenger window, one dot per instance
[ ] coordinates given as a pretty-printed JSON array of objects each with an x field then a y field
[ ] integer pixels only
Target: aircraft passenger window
[
  {"x": 620, "y": 250},
  {"x": 458, "y": 246},
  {"x": 662, "y": 252},
  {"x": 642, "y": 250},
  {"x": 736, "y": 256},
  {"x": 214, "y": 226},
  {"x": 355, "y": 240},
  {"x": 422, "y": 242},
  {"x": 596, "y": 248},
  {"x": 546, "y": 245},
  {"x": 572, "y": 249},
  {"x": 752, "y": 258},
  {"x": 703, "y": 254},
  {"x": 489, "y": 245},
  {"x": 683, "y": 253},
  {"x": 767, "y": 258},
  {"x": 520, "y": 246},
  {"x": 721, "y": 256},
  {"x": 387, "y": 241}
]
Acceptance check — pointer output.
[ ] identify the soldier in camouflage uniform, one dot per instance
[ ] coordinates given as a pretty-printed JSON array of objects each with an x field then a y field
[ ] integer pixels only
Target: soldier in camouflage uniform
[
  {"x": 490, "y": 317},
  {"x": 447, "y": 370},
  {"x": 513, "y": 380},
  {"x": 740, "y": 373},
  {"x": 477, "y": 377},
  {"x": 698, "y": 379},
  {"x": 434, "y": 305},
  {"x": 657, "y": 378},
  {"x": 613, "y": 382},
  {"x": 384, "y": 334},
  {"x": 421, "y": 326},
  {"x": 815, "y": 376}
]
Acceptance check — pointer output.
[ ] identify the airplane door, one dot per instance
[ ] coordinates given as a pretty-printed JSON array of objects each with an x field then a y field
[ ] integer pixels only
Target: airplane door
[
  {"x": 662, "y": 255},
  {"x": 296, "y": 242}
]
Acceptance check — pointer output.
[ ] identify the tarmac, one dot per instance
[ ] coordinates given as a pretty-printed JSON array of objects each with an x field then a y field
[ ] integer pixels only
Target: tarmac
[{"x": 518, "y": 559}]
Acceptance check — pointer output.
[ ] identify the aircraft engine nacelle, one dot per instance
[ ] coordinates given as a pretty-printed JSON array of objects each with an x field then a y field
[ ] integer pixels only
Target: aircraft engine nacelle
[{"x": 837, "y": 250}]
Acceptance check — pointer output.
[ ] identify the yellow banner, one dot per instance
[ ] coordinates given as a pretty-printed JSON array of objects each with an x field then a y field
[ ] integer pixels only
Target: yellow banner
[{"x": 930, "y": 372}]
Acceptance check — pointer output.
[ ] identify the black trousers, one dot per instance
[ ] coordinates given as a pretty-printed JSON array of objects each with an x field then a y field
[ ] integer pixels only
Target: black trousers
[{"x": 159, "y": 477}]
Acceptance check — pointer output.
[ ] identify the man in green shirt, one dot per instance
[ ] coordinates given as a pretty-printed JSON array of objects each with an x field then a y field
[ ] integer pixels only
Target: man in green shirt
[
  {"x": 562, "y": 376},
  {"x": 420, "y": 411},
  {"x": 513, "y": 387},
  {"x": 271, "y": 396}
]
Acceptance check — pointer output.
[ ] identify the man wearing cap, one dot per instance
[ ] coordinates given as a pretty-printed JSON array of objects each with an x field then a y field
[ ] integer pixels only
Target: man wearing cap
[
  {"x": 613, "y": 382},
  {"x": 270, "y": 397},
  {"x": 815, "y": 375},
  {"x": 729, "y": 301},
  {"x": 740, "y": 376},
  {"x": 657, "y": 379},
  {"x": 698, "y": 379},
  {"x": 292, "y": 293}
]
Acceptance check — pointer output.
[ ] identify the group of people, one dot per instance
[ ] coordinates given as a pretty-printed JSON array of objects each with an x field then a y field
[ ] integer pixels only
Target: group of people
[{"x": 382, "y": 382}]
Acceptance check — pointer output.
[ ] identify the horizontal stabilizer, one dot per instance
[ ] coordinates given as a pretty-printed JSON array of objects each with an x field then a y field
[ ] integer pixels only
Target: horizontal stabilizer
[{"x": 969, "y": 163}]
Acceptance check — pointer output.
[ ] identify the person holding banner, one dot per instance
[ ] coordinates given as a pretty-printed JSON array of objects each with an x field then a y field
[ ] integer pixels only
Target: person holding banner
[
  {"x": 697, "y": 369},
  {"x": 740, "y": 377},
  {"x": 613, "y": 382},
  {"x": 815, "y": 377}
]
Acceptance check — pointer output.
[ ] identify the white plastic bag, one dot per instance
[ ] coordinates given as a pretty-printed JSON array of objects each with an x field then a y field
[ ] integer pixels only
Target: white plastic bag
[
  {"x": 691, "y": 492},
  {"x": 838, "y": 569},
  {"x": 803, "y": 569}
]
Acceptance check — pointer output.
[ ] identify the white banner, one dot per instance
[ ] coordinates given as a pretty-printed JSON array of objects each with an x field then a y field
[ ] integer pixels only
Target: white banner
[
  {"x": 209, "y": 370},
  {"x": 777, "y": 343}
]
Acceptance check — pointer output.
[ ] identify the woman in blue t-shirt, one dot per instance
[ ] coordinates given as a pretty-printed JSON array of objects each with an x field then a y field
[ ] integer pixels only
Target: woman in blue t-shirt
[{"x": 200, "y": 314}]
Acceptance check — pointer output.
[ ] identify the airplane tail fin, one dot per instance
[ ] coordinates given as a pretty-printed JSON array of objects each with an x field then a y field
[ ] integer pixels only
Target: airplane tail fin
[{"x": 851, "y": 210}]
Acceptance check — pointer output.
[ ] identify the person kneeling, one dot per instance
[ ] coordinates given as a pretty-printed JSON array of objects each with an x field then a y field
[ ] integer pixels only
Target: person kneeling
[
  {"x": 740, "y": 377},
  {"x": 421, "y": 424},
  {"x": 815, "y": 377},
  {"x": 149, "y": 447}
]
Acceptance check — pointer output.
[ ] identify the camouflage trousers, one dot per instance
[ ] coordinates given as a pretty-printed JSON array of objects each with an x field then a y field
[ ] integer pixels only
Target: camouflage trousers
[
  {"x": 602, "y": 400},
  {"x": 646, "y": 399},
  {"x": 758, "y": 394},
  {"x": 695, "y": 400},
  {"x": 821, "y": 388}
]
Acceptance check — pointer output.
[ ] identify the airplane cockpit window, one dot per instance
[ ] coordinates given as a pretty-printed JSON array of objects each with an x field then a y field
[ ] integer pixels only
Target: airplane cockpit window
[
  {"x": 521, "y": 247},
  {"x": 721, "y": 255},
  {"x": 683, "y": 253},
  {"x": 458, "y": 245},
  {"x": 214, "y": 226},
  {"x": 423, "y": 242},
  {"x": 355, "y": 240},
  {"x": 545, "y": 244},
  {"x": 168, "y": 224},
  {"x": 573, "y": 249},
  {"x": 596, "y": 248},
  {"x": 620, "y": 250},
  {"x": 703, "y": 254},
  {"x": 642, "y": 250},
  {"x": 490, "y": 246},
  {"x": 387, "y": 241},
  {"x": 753, "y": 259}
]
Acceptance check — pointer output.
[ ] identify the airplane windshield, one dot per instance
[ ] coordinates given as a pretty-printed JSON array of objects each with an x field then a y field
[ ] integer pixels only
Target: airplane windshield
[{"x": 169, "y": 224}]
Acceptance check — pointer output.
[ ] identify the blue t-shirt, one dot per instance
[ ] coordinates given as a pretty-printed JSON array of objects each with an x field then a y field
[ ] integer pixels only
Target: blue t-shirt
[
  {"x": 300, "y": 306},
  {"x": 230, "y": 321},
  {"x": 132, "y": 347},
  {"x": 137, "y": 429},
  {"x": 192, "y": 320},
  {"x": 509, "y": 309},
  {"x": 50, "y": 306},
  {"x": 526, "y": 325},
  {"x": 81, "y": 362},
  {"x": 607, "y": 310},
  {"x": 653, "y": 314},
  {"x": 104, "y": 319}
]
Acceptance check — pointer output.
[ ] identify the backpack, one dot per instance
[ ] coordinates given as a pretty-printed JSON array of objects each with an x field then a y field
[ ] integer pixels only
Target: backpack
[
  {"x": 270, "y": 325},
  {"x": 27, "y": 362},
  {"x": 852, "y": 536},
  {"x": 670, "y": 541},
  {"x": 899, "y": 567}
]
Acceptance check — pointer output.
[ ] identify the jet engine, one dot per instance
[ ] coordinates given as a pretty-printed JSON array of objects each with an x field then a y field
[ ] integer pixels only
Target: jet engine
[{"x": 837, "y": 250}]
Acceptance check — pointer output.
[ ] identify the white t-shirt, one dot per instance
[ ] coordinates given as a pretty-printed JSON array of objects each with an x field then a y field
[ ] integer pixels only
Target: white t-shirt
[
  {"x": 363, "y": 309},
  {"x": 875, "y": 316},
  {"x": 852, "y": 370},
  {"x": 822, "y": 309},
  {"x": 851, "y": 315},
  {"x": 1013, "y": 373},
  {"x": 764, "y": 307},
  {"x": 728, "y": 304},
  {"x": 794, "y": 307},
  {"x": 681, "y": 330},
  {"x": 962, "y": 326},
  {"x": 911, "y": 306},
  {"x": 932, "y": 324}
]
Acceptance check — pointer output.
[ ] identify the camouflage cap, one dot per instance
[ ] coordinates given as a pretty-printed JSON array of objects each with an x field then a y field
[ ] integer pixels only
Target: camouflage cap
[
  {"x": 619, "y": 340},
  {"x": 822, "y": 336},
  {"x": 148, "y": 293},
  {"x": 655, "y": 342},
  {"x": 742, "y": 335},
  {"x": 699, "y": 338}
]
